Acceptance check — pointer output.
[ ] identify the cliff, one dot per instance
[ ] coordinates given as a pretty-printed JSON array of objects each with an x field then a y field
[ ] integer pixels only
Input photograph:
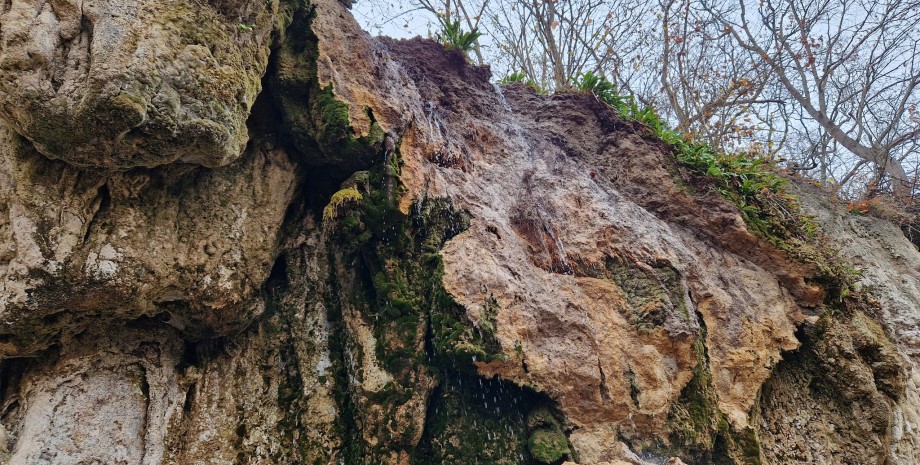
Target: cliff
[{"x": 240, "y": 232}]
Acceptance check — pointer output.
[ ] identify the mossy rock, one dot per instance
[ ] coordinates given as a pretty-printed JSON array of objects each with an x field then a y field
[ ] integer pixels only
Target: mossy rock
[
  {"x": 548, "y": 445},
  {"x": 346, "y": 196},
  {"x": 316, "y": 121},
  {"x": 698, "y": 428},
  {"x": 542, "y": 417}
]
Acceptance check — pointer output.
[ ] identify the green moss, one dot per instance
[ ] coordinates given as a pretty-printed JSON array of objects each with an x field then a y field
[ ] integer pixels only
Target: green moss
[
  {"x": 316, "y": 120},
  {"x": 332, "y": 128},
  {"x": 547, "y": 446},
  {"x": 699, "y": 429},
  {"x": 343, "y": 197},
  {"x": 456, "y": 342},
  {"x": 654, "y": 292},
  {"x": 400, "y": 256},
  {"x": 332, "y": 115},
  {"x": 398, "y": 288},
  {"x": 542, "y": 417},
  {"x": 547, "y": 442}
]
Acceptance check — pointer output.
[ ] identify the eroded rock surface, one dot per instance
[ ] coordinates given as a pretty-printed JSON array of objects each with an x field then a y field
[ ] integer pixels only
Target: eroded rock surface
[
  {"x": 382, "y": 257},
  {"x": 83, "y": 248},
  {"x": 120, "y": 84}
]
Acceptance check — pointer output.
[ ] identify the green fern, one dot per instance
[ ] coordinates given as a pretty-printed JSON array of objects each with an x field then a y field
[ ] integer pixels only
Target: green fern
[
  {"x": 607, "y": 92},
  {"x": 741, "y": 178},
  {"x": 519, "y": 76},
  {"x": 453, "y": 37},
  {"x": 516, "y": 76}
]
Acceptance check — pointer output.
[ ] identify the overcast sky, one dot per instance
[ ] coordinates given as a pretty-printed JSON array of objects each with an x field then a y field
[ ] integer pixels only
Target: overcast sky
[{"x": 391, "y": 18}]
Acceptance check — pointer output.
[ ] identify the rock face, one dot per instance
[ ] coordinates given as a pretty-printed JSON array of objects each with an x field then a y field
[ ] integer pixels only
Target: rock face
[
  {"x": 120, "y": 84},
  {"x": 381, "y": 257}
]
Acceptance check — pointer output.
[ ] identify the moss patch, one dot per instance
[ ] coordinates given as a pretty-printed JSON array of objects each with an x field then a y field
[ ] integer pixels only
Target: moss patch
[
  {"x": 547, "y": 442},
  {"x": 700, "y": 431},
  {"x": 654, "y": 292},
  {"x": 345, "y": 196},
  {"x": 316, "y": 121},
  {"x": 422, "y": 335},
  {"x": 399, "y": 258},
  {"x": 547, "y": 446}
]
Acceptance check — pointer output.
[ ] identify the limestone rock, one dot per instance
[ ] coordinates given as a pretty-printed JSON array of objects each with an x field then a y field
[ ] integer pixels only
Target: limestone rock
[
  {"x": 147, "y": 397},
  {"x": 121, "y": 84},
  {"x": 181, "y": 243}
]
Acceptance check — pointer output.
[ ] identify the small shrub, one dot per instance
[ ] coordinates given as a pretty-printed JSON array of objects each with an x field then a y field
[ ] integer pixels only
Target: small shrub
[
  {"x": 519, "y": 76},
  {"x": 453, "y": 37}
]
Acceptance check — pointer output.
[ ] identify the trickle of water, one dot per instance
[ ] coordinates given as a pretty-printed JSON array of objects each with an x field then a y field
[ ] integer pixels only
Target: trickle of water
[
  {"x": 523, "y": 142},
  {"x": 501, "y": 97}
]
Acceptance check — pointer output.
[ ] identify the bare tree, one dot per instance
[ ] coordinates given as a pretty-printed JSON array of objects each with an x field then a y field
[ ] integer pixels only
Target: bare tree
[
  {"x": 851, "y": 65},
  {"x": 554, "y": 42},
  {"x": 709, "y": 88}
]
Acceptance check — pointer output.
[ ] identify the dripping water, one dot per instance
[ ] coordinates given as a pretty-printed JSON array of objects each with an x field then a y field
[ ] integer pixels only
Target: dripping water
[{"x": 522, "y": 141}]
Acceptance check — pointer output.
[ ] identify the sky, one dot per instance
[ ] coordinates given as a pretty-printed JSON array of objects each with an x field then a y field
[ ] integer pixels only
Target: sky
[{"x": 391, "y": 18}]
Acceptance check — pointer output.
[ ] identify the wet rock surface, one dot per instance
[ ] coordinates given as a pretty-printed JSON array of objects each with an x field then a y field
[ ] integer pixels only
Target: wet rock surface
[{"x": 382, "y": 257}]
